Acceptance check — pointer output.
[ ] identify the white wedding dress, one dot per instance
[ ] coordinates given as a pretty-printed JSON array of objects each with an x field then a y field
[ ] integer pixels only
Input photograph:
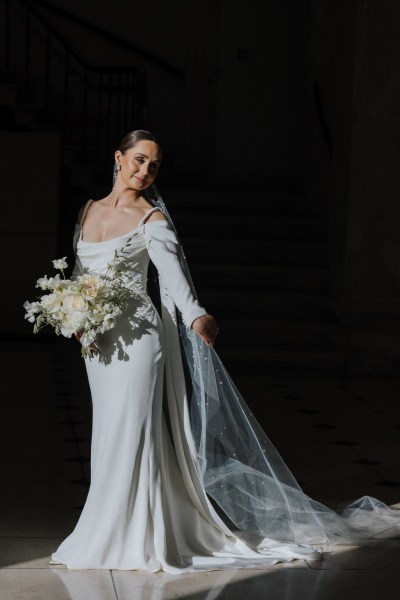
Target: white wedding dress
[{"x": 148, "y": 505}]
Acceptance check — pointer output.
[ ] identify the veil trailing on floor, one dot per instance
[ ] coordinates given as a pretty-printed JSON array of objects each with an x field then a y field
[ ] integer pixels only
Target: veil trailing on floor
[{"x": 238, "y": 466}]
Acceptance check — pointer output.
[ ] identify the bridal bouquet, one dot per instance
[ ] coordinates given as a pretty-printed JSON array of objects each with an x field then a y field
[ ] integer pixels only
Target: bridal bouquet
[{"x": 89, "y": 304}]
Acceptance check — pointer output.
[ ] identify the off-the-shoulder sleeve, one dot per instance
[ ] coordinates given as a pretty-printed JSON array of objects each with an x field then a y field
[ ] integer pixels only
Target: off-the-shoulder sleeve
[{"x": 163, "y": 248}]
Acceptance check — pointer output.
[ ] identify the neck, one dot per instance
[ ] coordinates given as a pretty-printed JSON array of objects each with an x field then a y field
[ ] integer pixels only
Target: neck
[{"x": 122, "y": 196}]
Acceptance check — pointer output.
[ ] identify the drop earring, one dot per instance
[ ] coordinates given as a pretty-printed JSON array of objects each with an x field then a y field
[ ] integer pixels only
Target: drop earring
[
  {"x": 115, "y": 171},
  {"x": 117, "y": 167}
]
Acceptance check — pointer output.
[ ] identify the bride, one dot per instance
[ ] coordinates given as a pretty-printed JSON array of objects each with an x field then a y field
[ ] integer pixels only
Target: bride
[{"x": 183, "y": 478}]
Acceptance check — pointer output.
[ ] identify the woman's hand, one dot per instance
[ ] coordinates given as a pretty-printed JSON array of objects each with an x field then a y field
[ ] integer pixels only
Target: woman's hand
[
  {"x": 78, "y": 335},
  {"x": 207, "y": 328}
]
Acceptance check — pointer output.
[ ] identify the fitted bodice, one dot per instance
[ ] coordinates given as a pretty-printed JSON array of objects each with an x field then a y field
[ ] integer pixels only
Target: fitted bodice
[
  {"x": 96, "y": 256},
  {"x": 155, "y": 241}
]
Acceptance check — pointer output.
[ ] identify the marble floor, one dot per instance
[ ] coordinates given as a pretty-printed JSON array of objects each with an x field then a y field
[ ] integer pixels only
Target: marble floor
[{"x": 339, "y": 437}]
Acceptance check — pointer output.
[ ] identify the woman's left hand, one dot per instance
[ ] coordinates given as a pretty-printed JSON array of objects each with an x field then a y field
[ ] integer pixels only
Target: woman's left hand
[{"x": 207, "y": 328}]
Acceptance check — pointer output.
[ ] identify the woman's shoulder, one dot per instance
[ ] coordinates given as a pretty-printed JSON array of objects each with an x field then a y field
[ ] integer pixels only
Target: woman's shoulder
[
  {"x": 83, "y": 210},
  {"x": 94, "y": 205},
  {"x": 156, "y": 215}
]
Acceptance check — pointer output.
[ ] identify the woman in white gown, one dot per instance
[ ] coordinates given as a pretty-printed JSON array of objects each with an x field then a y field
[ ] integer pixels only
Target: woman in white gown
[{"x": 148, "y": 505}]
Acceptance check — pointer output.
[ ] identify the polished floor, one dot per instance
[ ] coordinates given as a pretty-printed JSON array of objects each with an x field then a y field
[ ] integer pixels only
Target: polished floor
[{"x": 340, "y": 438}]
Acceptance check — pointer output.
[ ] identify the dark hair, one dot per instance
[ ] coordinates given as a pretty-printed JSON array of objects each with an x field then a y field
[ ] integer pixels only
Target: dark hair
[{"x": 133, "y": 137}]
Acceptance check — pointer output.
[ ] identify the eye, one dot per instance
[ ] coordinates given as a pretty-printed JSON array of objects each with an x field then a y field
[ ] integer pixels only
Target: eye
[{"x": 140, "y": 160}]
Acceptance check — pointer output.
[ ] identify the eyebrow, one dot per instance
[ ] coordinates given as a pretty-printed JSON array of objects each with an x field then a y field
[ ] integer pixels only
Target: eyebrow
[{"x": 145, "y": 156}]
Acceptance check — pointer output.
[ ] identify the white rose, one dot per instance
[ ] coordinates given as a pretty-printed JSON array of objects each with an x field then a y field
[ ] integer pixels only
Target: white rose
[
  {"x": 74, "y": 303},
  {"x": 71, "y": 323},
  {"x": 60, "y": 263},
  {"x": 74, "y": 309},
  {"x": 90, "y": 285}
]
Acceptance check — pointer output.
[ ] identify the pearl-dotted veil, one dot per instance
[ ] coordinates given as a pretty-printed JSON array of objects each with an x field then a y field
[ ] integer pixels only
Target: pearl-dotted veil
[{"x": 240, "y": 468}]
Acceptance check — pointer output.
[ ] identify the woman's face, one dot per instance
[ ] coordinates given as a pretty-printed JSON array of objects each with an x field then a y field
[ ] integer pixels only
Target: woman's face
[{"x": 139, "y": 165}]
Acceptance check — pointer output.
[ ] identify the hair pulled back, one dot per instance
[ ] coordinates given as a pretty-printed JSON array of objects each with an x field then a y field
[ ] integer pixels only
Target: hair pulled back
[{"x": 133, "y": 137}]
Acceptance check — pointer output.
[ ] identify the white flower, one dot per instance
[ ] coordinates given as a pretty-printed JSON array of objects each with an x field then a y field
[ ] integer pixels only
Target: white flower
[
  {"x": 43, "y": 283},
  {"x": 97, "y": 314},
  {"x": 71, "y": 323},
  {"x": 88, "y": 338},
  {"x": 31, "y": 308},
  {"x": 108, "y": 322},
  {"x": 52, "y": 302},
  {"x": 90, "y": 285},
  {"x": 74, "y": 303},
  {"x": 28, "y": 305},
  {"x": 89, "y": 303},
  {"x": 60, "y": 263},
  {"x": 49, "y": 283},
  {"x": 74, "y": 308},
  {"x": 55, "y": 282}
]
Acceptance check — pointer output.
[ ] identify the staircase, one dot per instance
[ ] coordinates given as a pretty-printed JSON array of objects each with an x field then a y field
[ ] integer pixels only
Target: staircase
[
  {"x": 47, "y": 85},
  {"x": 259, "y": 263}
]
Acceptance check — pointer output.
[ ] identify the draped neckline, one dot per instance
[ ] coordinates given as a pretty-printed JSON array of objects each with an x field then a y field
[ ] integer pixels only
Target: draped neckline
[{"x": 118, "y": 237}]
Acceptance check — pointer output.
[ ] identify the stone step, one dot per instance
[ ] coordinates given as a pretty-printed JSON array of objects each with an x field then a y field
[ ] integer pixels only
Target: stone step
[
  {"x": 266, "y": 305},
  {"x": 172, "y": 178},
  {"x": 249, "y": 226},
  {"x": 210, "y": 277},
  {"x": 285, "y": 363},
  {"x": 254, "y": 252},
  {"x": 192, "y": 203},
  {"x": 274, "y": 334}
]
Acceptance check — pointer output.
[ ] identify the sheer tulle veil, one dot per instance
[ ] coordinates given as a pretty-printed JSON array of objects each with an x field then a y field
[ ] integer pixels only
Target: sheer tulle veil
[{"x": 238, "y": 465}]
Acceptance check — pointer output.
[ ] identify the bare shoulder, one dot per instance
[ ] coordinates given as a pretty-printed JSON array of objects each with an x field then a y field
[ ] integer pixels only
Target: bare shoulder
[
  {"x": 157, "y": 215},
  {"x": 83, "y": 210}
]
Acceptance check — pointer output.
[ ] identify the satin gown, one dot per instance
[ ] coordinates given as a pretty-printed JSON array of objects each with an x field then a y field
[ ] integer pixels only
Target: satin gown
[{"x": 146, "y": 508}]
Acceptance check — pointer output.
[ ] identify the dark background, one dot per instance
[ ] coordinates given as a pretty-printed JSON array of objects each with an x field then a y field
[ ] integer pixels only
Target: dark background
[
  {"x": 280, "y": 125},
  {"x": 280, "y": 128}
]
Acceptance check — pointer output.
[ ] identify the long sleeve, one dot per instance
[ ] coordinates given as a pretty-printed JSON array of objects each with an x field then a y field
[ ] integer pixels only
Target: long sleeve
[{"x": 163, "y": 248}]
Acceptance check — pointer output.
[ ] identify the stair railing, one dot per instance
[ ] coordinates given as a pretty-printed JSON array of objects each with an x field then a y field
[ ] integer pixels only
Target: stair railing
[{"x": 91, "y": 106}]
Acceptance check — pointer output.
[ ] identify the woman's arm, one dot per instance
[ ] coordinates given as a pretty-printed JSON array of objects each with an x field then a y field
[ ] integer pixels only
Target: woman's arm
[{"x": 163, "y": 248}]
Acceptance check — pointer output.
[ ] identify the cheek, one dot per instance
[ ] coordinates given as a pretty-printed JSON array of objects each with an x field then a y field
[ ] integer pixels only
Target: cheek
[
  {"x": 131, "y": 166},
  {"x": 132, "y": 170}
]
